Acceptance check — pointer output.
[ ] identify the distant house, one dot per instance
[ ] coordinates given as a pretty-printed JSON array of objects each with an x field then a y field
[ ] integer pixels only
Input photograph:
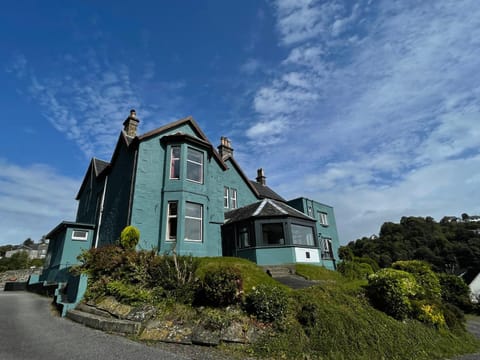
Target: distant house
[
  {"x": 34, "y": 251},
  {"x": 182, "y": 193}
]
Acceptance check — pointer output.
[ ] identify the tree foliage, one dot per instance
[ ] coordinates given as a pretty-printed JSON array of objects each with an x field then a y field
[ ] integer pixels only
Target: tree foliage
[{"x": 449, "y": 246}]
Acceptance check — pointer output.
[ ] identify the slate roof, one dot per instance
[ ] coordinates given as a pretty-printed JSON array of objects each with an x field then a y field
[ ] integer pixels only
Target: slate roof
[
  {"x": 265, "y": 192},
  {"x": 99, "y": 165},
  {"x": 264, "y": 208}
]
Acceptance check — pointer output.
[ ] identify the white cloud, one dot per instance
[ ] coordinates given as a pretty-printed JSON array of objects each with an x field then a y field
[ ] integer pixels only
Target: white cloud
[
  {"x": 385, "y": 125},
  {"x": 33, "y": 200}
]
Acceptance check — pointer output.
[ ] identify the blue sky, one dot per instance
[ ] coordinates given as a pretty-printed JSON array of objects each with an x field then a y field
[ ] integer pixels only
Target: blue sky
[{"x": 369, "y": 106}]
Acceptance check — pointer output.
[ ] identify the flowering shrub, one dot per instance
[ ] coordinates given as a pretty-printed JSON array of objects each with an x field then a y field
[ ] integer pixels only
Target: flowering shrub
[
  {"x": 429, "y": 314},
  {"x": 391, "y": 291},
  {"x": 429, "y": 286},
  {"x": 267, "y": 303}
]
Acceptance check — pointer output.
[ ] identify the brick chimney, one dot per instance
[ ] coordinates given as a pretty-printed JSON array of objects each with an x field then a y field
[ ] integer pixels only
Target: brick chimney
[
  {"x": 130, "y": 124},
  {"x": 225, "y": 148},
  {"x": 261, "y": 179}
]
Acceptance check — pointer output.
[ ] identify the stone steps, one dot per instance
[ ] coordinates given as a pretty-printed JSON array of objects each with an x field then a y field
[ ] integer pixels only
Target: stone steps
[
  {"x": 103, "y": 323},
  {"x": 279, "y": 270}
]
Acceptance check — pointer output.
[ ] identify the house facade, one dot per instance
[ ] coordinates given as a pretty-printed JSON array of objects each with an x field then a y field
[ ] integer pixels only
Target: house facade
[{"x": 183, "y": 193}]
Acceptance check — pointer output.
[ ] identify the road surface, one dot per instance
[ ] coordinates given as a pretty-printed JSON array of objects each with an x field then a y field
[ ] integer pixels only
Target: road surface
[{"x": 30, "y": 329}]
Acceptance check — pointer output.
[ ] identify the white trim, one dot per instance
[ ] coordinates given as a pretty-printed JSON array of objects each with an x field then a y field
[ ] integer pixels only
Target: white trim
[
  {"x": 78, "y": 237},
  {"x": 101, "y": 213}
]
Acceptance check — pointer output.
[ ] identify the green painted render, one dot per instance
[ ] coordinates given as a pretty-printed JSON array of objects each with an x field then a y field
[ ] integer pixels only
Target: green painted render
[
  {"x": 63, "y": 250},
  {"x": 154, "y": 190},
  {"x": 323, "y": 231}
]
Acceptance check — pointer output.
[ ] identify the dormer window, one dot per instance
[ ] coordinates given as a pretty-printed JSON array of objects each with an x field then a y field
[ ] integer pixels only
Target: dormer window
[
  {"x": 175, "y": 162},
  {"x": 194, "y": 165}
]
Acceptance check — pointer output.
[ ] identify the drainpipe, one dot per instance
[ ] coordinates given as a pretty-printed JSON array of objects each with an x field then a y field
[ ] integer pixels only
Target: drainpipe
[{"x": 101, "y": 212}]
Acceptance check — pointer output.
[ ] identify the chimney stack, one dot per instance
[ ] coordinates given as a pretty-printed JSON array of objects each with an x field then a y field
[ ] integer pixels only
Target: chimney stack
[
  {"x": 261, "y": 179},
  {"x": 130, "y": 124},
  {"x": 225, "y": 148}
]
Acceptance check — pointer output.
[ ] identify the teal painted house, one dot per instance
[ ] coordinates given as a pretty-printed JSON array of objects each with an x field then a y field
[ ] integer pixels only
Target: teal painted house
[{"x": 183, "y": 193}]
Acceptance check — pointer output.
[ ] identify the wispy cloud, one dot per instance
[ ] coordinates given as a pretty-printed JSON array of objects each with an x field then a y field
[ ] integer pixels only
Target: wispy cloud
[
  {"x": 369, "y": 97},
  {"x": 88, "y": 96},
  {"x": 33, "y": 200}
]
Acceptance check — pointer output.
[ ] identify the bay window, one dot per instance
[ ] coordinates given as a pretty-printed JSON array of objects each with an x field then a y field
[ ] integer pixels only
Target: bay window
[{"x": 193, "y": 221}]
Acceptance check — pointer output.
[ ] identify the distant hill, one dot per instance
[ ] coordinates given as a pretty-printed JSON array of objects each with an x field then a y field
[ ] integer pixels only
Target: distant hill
[{"x": 451, "y": 245}]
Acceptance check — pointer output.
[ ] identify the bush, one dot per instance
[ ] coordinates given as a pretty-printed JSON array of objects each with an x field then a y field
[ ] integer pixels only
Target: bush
[
  {"x": 268, "y": 303},
  {"x": 427, "y": 280},
  {"x": 391, "y": 291},
  {"x": 455, "y": 291},
  {"x": 428, "y": 313},
  {"x": 129, "y": 293},
  {"x": 222, "y": 286},
  {"x": 353, "y": 270},
  {"x": 454, "y": 317},
  {"x": 129, "y": 237}
]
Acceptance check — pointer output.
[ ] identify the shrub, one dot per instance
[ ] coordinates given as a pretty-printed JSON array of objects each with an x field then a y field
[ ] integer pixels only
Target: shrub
[
  {"x": 353, "y": 270},
  {"x": 268, "y": 303},
  {"x": 455, "y": 291},
  {"x": 428, "y": 313},
  {"x": 391, "y": 291},
  {"x": 222, "y": 286},
  {"x": 129, "y": 293},
  {"x": 427, "y": 280},
  {"x": 129, "y": 237},
  {"x": 454, "y": 317},
  {"x": 97, "y": 262}
]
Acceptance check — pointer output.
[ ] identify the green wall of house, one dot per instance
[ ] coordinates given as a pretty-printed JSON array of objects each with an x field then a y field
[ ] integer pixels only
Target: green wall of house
[
  {"x": 154, "y": 190},
  {"x": 63, "y": 251},
  {"x": 328, "y": 231}
]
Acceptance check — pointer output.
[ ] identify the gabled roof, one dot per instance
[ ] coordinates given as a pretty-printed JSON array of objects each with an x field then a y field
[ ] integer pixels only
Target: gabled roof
[
  {"x": 188, "y": 120},
  {"x": 95, "y": 168},
  {"x": 200, "y": 134},
  {"x": 265, "y": 192},
  {"x": 266, "y": 208}
]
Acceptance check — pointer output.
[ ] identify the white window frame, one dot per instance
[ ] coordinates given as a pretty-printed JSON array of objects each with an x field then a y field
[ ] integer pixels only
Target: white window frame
[
  {"x": 196, "y": 163},
  {"x": 323, "y": 218},
  {"x": 200, "y": 219},
  {"x": 169, "y": 217},
  {"x": 233, "y": 198},
  {"x": 81, "y": 238},
  {"x": 226, "y": 192},
  {"x": 174, "y": 160}
]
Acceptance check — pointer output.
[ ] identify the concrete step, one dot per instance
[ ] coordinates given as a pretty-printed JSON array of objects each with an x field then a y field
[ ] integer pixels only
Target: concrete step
[
  {"x": 277, "y": 271},
  {"x": 105, "y": 324}
]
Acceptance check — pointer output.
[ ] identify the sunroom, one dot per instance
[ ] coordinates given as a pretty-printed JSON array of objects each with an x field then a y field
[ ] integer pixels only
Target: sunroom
[{"x": 270, "y": 232}]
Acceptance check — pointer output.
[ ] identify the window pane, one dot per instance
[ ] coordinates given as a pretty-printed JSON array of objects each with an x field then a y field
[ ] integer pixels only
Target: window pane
[
  {"x": 194, "y": 155},
  {"x": 172, "y": 221},
  {"x": 193, "y": 221},
  {"x": 193, "y": 229},
  {"x": 194, "y": 172},
  {"x": 302, "y": 235},
  {"x": 273, "y": 234},
  {"x": 194, "y": 165},
  {"x": 193, "y": 210},
  {"x": 225, "y": 197},
  {"x": 175, "y": 163}
]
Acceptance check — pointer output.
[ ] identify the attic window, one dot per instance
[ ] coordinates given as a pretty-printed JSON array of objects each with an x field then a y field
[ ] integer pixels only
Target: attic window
[{"x": 80, "y": 235}]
